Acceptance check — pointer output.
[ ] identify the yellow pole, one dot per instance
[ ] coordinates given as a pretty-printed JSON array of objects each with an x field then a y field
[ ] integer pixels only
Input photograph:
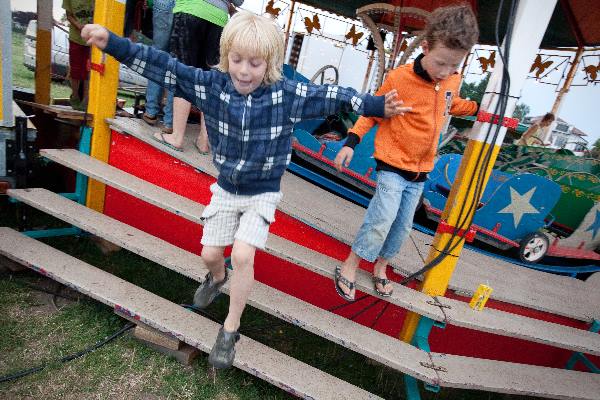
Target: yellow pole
[
  {"x": 43, "y": 51},
  {"x": 525, "y": 40},
  {"x": 103, "y": 93}
]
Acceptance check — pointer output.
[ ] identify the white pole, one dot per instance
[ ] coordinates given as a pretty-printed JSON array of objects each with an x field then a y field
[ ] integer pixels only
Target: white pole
[{"x": 531, "y": 21}]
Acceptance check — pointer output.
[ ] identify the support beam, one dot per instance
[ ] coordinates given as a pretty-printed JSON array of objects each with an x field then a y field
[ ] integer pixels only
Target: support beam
[
  {"x": 104, "y": 79},
  {"x": 526, "y": 38},
  {"x": 563, "y": 92},
  {"x": 6, "y": 113},
  {"x": 43, "y": 51}
]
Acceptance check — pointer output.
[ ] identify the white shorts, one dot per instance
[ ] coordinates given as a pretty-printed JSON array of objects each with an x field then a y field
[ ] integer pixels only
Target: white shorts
[{"x": 231, "y": 217}]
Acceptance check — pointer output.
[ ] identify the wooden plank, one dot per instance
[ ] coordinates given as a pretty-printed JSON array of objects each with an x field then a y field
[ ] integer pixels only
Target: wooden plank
[
  {"x": 460, "y": 314},
  {"x": 385, "y": 349},
  {"x": 341, "y": 219},
  {"x": 504, "y": 377},
  {"x": 276, "y": 368},
  {"x": 257, "y": 359}
]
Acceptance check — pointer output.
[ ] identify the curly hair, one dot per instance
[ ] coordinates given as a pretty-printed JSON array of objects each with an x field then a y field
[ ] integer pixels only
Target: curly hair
[{"x": 455, "y": 27}]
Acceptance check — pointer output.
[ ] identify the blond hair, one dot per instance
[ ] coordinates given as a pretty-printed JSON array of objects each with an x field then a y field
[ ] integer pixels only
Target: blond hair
[
  {"x": 256, "y": 35},
  {"x": 454, "y": 27}
]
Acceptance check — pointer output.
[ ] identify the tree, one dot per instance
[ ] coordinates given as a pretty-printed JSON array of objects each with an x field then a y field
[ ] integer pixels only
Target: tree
[
  {"x": 521, "y": 111},
  {"x": 595, "y": 152},
  {"x": 474, "y": 90}
]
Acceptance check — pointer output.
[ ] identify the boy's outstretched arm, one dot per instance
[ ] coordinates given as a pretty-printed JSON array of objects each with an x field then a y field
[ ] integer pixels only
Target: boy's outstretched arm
[
  {"x": 309, "y": 101},
  {"x": 156, "y": 65}
]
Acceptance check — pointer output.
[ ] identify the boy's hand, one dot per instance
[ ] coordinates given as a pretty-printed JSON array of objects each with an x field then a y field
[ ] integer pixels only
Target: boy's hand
[
  {"x": 343, "y": 158},
  {"x": 96, "y": 35},
  {"x": 393, "y": 106}
]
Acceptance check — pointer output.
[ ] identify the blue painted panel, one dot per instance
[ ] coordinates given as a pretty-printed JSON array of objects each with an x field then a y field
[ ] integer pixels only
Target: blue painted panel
[{"x": 519, "y": 206}]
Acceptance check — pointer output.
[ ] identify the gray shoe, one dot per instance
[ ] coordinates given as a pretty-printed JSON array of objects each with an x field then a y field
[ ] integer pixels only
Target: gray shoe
[
  {"x": 223, "y": 351},
  {"x": 208, "y": 290}
]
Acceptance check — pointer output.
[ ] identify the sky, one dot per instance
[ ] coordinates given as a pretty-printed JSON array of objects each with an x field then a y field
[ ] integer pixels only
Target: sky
[{"x": 580, "y": 107}]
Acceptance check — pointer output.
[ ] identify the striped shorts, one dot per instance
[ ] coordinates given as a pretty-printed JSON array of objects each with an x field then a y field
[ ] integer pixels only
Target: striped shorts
[{"x": 231, "y": 217}]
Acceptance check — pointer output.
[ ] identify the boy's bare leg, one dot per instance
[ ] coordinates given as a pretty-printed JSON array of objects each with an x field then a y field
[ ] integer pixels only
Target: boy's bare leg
[
  {"x": 202, "y": 140},
  {"x": 379, "y": 271},
  {"x": 242, "y": 280},
  {"x": 215, "y": 262},
  {"x": 348, "y": 271},
  {"x": 181, "y": 112}
]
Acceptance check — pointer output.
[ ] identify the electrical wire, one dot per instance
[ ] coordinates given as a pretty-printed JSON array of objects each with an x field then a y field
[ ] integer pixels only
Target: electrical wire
[{"x": 68, "y": 358}]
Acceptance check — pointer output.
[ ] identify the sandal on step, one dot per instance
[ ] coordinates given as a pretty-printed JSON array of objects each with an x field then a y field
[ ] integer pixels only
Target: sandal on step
[
  {"x": 341, "y": 279},
  {"x": 382, "y": 282},
  {"x": 163, "y": 141}
]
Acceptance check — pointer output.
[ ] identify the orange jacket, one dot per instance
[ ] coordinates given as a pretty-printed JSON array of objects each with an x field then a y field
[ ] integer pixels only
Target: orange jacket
[{"x": 409, "y": 142}]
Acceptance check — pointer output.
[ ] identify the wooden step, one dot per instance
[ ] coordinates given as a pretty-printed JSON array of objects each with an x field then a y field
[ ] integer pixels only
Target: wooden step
[
  {"x": 505, "y": 377},
  {"x": 276, "y": 368},
  {"x": 257, "y": 359},
  {"x": 341, "y": 219},
  {"x": 459, "y": 313},
  {"x": 385, "y": 349}
]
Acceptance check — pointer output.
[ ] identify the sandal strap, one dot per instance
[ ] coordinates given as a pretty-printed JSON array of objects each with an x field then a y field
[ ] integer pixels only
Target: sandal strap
[
  {"x": 381, "y": 281},
  {"x": 340, "y": 278}
]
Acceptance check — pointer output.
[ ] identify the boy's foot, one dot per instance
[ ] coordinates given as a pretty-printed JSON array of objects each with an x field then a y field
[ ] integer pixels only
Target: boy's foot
[
  {"x": 383, "y": 286},
  {"x": 167, "y": 130},
  {"x": 344, "y": 286},
  {"x": 208, "y": 291},
  {"x": 149, "y": 119},
  {"x": 223, "y": 351}
]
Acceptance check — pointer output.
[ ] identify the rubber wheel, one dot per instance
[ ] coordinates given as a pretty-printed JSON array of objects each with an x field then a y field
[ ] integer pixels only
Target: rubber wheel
[{"x": 533, "y": 247}]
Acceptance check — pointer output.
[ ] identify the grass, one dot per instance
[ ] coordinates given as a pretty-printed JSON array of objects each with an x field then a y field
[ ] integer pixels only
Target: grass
[{"x": 33, "y": 332}]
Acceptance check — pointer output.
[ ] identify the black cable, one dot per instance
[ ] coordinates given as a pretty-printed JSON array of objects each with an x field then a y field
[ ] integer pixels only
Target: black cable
[
  {"x": 71, "y": 357},
  {"x": 502, "y": 105}
]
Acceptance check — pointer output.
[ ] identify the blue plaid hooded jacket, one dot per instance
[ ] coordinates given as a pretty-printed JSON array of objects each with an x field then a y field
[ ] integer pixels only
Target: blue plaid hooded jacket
[{"x": 250, "y": 135}]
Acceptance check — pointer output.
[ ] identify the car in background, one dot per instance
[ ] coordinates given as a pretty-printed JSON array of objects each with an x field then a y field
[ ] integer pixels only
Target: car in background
[{"x": 60, "y": 56}]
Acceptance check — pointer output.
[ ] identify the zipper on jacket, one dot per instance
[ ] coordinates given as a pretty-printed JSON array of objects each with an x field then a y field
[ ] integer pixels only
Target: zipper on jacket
[{"x": 242, "y": 146}]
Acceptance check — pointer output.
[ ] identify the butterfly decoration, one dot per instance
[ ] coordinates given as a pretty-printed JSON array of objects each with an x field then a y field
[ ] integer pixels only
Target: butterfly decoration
[
  {"x": 313, "y": 23},
  {"x": 403, "y": 46},
  {"x": 592, "y": 72},
  {"x": 272, "y": 10},
  {"x": 355, "y": 36},
  {"x": 539, "y": 65},
  {"x": 488, "y": 62}
]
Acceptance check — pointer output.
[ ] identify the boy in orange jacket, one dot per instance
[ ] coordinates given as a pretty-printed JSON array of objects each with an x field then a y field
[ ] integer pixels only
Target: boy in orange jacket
[{"x": 405, "y": 146}]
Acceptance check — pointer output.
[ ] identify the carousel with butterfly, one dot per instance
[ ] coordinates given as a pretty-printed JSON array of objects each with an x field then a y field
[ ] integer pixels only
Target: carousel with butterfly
[{"x": 538, "y": 202}]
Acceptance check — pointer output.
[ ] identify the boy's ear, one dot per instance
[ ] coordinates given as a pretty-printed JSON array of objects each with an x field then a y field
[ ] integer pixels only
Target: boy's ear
[{"x": 425, "y": 46}]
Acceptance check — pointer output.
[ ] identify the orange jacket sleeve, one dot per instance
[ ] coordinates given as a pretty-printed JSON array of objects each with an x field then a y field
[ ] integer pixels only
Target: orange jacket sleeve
[{"x": 461, "y": 107}]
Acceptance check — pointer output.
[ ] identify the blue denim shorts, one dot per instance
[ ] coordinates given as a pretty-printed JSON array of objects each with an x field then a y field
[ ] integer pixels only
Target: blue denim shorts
[{"x": 388, "y": 219}]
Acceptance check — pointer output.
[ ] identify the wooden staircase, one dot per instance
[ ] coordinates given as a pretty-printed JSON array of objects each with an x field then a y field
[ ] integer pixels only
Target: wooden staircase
[{"x": 432, "y": 368}]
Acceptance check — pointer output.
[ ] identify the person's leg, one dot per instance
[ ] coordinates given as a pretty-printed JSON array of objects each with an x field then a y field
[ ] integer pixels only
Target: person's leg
[
  {"x": 162, "y": 21},
  {"x": 242, "y": 280},
  {"x": 77, "y": 69},
  {"x": 399, "y": 230},
  {"x": 208, "y": 57},
  {"x": 184, "y": 47},
  {"x": 372, "y": 234},
  {"x": 214, "y": 261}
]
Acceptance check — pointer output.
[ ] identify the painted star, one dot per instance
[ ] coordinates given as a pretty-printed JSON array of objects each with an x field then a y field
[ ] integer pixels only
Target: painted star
[
  {"x": 519, "y": 205},
  {"x": 595, "y": 227}
]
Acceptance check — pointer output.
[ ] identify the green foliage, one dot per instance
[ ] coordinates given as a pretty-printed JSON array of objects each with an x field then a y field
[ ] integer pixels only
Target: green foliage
[
  {"x": 521, "y": 111},
  {"x": 474, "y": 90}
]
